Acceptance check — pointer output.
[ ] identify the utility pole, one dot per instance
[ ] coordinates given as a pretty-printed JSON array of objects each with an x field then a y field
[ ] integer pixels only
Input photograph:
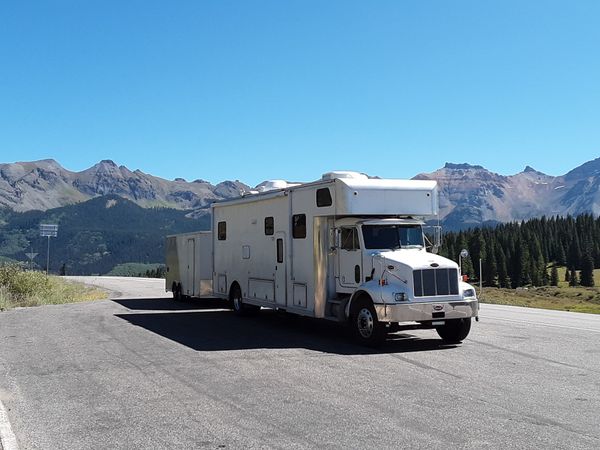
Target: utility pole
[{"x": 48, "y": 230}]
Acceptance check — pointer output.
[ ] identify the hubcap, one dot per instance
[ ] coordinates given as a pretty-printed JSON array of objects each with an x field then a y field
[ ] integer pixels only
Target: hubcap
[{"x": 364, "y": 322}]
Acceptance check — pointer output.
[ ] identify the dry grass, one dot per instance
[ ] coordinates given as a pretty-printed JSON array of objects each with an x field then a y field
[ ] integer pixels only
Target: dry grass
[
  {"x": 20, "y": 288},
  {"x": 578, "y": 299}
]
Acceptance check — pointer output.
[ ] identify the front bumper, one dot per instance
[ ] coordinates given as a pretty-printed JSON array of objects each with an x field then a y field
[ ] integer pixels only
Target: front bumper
[{"x": 419, "y": 312}]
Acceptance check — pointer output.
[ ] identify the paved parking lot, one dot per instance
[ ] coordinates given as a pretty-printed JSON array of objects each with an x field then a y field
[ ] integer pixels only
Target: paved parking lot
[{"x": 146, "y": 372}]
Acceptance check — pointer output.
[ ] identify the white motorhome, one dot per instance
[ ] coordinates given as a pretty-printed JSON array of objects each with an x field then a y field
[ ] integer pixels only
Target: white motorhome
[{"x": 346, "y": 248}]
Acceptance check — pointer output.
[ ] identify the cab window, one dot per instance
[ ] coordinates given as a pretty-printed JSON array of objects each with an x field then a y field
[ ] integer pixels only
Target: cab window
[{"x": 350, "y": 239}]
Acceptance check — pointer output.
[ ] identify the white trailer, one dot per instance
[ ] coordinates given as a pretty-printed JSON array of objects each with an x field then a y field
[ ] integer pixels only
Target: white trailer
[
  {"x": 345, "y": 248},
  {"x": 189, "y": 265}
]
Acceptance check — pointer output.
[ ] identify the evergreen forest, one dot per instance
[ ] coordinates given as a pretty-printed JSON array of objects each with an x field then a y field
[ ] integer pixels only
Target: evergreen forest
[{"x": 528, "y": 253}]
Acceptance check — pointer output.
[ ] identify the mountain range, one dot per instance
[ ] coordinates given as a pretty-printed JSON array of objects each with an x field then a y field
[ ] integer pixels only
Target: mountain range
[
  {"x": 45, "y": 184},
  {"x": 469, "y": 194},
  {"x": 472, "y": 195},
  {"x": 109, "y": 215}
]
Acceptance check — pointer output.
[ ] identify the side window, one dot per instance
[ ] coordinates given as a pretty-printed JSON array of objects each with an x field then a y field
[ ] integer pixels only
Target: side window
[
  {"x": 299, "y": 226},
  {"x": 350, "y": 239},
  {"x": 279, "y": 250},
  {"x": 269, "y": 226},
  {"x": 222, "y": 231},
  {"x": 324, "y": 197}
]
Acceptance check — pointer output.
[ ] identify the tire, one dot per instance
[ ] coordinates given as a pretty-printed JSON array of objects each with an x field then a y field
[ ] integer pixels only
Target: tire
[
  {"x": 454, "y": 331},
  {"x": 366, "y": 327},
  {"x": 237, "y": 304},
  {"x": 176, "y": 289}
]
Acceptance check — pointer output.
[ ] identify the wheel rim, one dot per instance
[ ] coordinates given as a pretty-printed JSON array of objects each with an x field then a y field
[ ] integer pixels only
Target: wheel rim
[{"x": 365, "y": 323}]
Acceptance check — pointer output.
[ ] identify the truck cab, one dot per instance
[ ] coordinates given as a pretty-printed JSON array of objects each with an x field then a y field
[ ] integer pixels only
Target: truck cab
[{"x": 385, "y": 262}]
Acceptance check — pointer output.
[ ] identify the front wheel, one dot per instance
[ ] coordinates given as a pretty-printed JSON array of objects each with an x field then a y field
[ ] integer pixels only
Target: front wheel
[
  {"x": 366, "y": 327},
  {"x": 454, "y": 331}
]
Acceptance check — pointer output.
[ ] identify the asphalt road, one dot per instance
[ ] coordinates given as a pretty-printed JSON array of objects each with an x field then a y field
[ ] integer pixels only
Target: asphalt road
[{"x": 151, "y": 373}]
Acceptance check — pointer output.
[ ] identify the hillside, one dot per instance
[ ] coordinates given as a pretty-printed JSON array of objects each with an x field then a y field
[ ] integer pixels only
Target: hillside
[{"x": 96, "y": 235}]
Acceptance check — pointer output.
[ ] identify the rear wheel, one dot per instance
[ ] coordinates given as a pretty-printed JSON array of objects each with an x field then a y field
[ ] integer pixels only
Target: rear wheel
[
  {"x": 238, "y": 305},
  {"x": 367, "y": 329},
  {"x": 176, "y": 289},
  {"x": 454, "y": 331}
]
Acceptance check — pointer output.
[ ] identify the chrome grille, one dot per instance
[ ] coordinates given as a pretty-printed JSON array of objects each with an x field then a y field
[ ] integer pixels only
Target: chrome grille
[{"x": 432, "y": 282}]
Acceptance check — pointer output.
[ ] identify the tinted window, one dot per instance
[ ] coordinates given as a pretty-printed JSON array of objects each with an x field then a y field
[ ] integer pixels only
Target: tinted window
[
  {"x": 324, "y": 197},
  {"x": 269, "y": 226},
  {"x": 350, "y": 239},
  {"x": 299, "y": 226},
  {"x": 279, "y": 250},
  {"x": 222, "y": 231}
]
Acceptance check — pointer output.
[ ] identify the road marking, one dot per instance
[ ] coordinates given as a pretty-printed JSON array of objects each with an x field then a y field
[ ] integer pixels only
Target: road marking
[
  {"x": 8, "y": 440},
  {"x": 527, "y": 322}
]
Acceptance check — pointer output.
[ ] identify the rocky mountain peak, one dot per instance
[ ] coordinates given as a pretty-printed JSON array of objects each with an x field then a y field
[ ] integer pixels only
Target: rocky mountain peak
[
  {"x": 590, "y": 168},
  {"x": 45, "y": 184}
]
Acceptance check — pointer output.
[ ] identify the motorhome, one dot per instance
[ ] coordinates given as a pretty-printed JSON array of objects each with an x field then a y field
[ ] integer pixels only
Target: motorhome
[{"x": 346, "y": 248}]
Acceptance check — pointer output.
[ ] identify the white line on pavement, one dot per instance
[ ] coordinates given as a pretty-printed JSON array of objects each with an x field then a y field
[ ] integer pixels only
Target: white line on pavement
[
  {"x": 8, "y": 440},
  {"x": 542, "y": 324}
]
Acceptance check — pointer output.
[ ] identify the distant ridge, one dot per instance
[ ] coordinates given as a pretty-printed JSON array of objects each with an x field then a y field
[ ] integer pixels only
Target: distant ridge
[
  {"x": 470, "y": 194},
  {"x": 45, "y": 184}
]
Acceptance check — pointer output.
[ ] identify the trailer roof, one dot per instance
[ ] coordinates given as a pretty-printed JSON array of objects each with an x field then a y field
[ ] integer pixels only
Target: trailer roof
[{"x": 361, "y": 195}]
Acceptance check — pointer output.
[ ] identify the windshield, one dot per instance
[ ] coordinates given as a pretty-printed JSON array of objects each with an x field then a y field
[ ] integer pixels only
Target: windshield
[{"x": 392, "y": 237}]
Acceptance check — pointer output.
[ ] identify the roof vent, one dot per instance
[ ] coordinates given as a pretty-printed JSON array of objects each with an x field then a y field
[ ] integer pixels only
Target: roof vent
[{"x": 344, "y": 174}]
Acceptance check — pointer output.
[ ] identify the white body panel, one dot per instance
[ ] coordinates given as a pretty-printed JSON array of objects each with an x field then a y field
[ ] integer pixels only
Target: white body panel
[{"x": 189, "y": 262}]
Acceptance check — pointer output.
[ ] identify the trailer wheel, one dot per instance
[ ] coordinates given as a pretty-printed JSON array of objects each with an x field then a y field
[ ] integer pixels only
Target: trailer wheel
[
  {"x": 366, "y": 327},
  {"x": 455, "y": 330},
  {"x": 176, "y": 289},
  {"x": 238, "y": 305}
]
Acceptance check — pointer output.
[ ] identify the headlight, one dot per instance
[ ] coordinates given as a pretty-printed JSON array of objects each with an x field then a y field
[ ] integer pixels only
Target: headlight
[{"x": 467, "y": 293}]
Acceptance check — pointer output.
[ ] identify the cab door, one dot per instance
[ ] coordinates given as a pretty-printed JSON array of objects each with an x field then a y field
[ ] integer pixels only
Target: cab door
[{"x": 349, "y": 258}]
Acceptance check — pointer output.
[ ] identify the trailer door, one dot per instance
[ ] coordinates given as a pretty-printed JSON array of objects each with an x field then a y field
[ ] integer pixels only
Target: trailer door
[
  {"x": 349, "y": 258},
  {"x": 190, "y": 279},
  {"x": 280, "y": 269}
]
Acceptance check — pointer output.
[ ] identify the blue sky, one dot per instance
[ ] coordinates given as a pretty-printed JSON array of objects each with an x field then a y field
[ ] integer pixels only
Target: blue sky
[{"x": 256, "y": 90}]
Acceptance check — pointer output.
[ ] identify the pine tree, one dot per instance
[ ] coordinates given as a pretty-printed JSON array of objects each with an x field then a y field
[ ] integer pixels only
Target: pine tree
[
  {"x": 522, "y": 276},
  {"x": 545, "y": 277},
  {"x": 567, "y": 275},
  {"x": 587, "y": 271},
  {"x": 554, "y": 276},
  {"x": 490, "y": 267},
  {"x": 503, "y": 281},
  {"x": 573, "y": 278},
  {"x": 574, "y": 257}
]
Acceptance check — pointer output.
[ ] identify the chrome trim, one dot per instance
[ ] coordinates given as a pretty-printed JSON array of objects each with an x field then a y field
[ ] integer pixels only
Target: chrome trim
[{"x": 417, "y": 312}]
